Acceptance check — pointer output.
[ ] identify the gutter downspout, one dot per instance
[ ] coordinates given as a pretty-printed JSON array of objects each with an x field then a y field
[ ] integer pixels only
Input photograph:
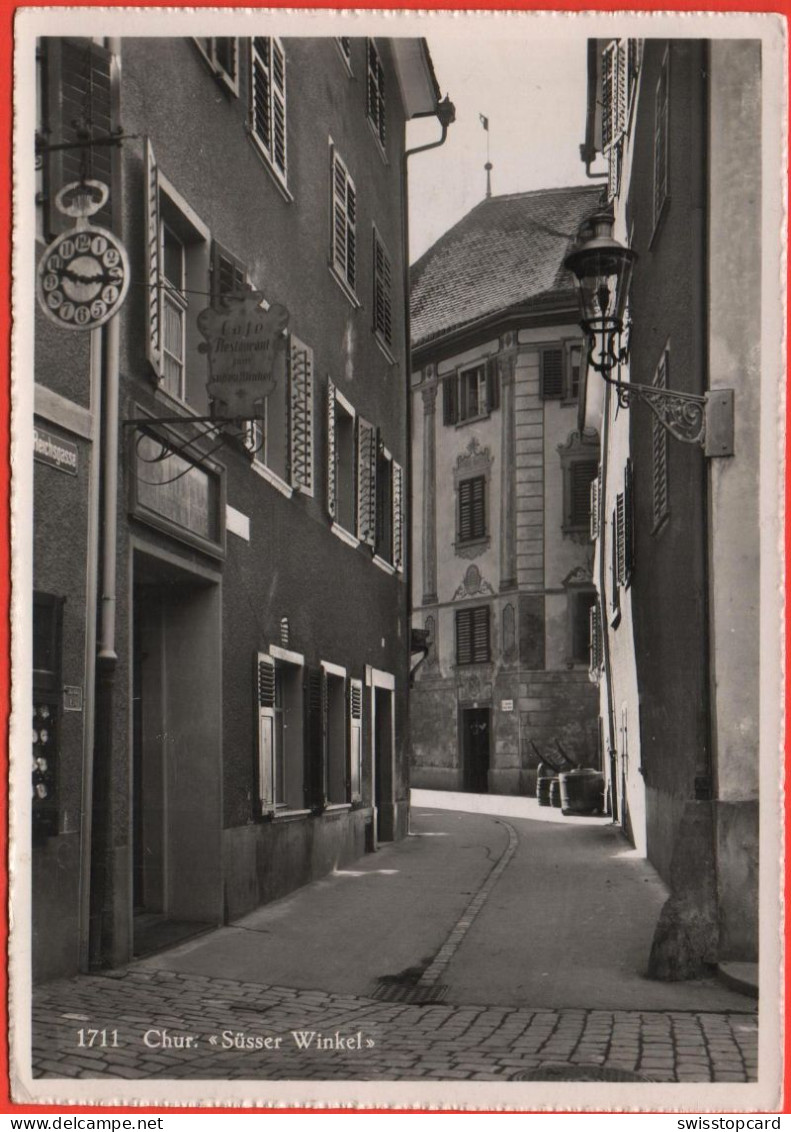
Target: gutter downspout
[
  {"x": 91, "y": 600},
  {"x": 445, "y": 112}
]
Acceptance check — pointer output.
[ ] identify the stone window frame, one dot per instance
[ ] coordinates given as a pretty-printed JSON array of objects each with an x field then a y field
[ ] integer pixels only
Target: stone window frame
[{"x": 579, "y": 448}]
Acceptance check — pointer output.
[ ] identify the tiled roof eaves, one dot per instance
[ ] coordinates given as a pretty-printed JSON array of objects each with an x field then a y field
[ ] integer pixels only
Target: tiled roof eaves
[{"x": 545, "y": 301}]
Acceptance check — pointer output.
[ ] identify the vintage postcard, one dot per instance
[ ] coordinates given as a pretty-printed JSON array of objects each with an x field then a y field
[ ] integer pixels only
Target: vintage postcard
[{"x": 398, "y": 455}]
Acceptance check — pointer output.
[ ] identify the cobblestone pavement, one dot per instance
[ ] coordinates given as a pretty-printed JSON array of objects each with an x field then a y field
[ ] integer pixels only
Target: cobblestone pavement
[{"x": 354, "y": 1038}]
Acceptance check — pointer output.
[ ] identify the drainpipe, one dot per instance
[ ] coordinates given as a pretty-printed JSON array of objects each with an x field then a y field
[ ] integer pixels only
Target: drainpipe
[
  {"x": 605, "y": 636},
  {"x": 445, "y": 113},
  {"x": 102, "y": 945},
  {"x": 91, "y": 583}
]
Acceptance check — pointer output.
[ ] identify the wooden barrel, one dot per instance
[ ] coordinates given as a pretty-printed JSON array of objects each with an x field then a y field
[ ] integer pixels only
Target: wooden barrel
[
  {"x": 581, "y": 791},
  {"x": 544, "y": 777},
  {"x": 554, "y": 792}
]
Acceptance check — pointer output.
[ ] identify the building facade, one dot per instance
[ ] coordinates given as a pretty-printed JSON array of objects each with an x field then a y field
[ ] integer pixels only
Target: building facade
[
  {"x": 502, "y": 557},
  {"x": 221, "y": 624},
  {"x": 677, "y": 564}
]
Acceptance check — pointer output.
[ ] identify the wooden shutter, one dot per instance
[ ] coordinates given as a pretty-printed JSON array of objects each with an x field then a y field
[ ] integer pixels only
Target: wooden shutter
[
  {"x": 472, "y": 635},
  {"x": 300, "y": 415},
  {"x": 153, "y": 264},
  {"x": 628, "y": 526},
  {"x": 492, "y": 384},
  {"x": 463, "y": 636},
  {"x": 80, "y": 90},
  {"x": 619, "y": 519},
  {"x": 332, "y": 468},
  {"x": 594, "y": 506},
  {"x": 355, "y": 740},
  {"x": 581, "y": 473},
  {"x": 228, "y": 274},
  {"x": 278, "y": 79},
  {"x": 366, "y": 482},
  {"x": 376, "y": 92},
  {"x": 472, "y": 509},
  {"x": 265, "y": 712},
  {"x": 621, "y": 91},
  {"x": 383, "y": 301},
  {"x": 596, "y": 649},
  {"x": 659, "y": 450},
  {"x": 450, "y": 400},
  {"x": 552, "y": 372},
  {"x": 609, "y": 64},
  {"x": 398, "y": 516},
  {"x": 615, "y": 563},
  {"x": 344, "y": 221},
  {"x": 661, "y": 112},
  {"x": 316, "y": 738},
  {"x": 261, "y": 93}
]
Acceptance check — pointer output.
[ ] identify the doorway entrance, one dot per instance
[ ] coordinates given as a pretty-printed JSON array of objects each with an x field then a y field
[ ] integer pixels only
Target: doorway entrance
[
  {"x": 176, "y": 745},
  {"x": 475, "y": 732}
]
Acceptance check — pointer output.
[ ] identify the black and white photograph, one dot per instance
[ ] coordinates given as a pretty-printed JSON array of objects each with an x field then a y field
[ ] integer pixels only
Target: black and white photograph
[{"x": 406, "y": 695}]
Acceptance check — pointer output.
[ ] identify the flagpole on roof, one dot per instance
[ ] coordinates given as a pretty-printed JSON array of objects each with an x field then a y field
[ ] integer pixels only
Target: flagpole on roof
[{"x": 488, "y": 165}]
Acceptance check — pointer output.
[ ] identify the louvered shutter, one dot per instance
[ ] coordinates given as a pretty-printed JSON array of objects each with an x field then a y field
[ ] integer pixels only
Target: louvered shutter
[
  {"x": 659, "y": 451},
  {"x": 613, "y": 172},
  {"x": 260, "y": 93},
  {"x": 265, "y": 711},
  {"x": 398, "y": 516},
  {"x": 355, "y": 740},
  {"x": 628, "y": 529},
  {"x": 472, "y": 509},
  {"x": 278, "y": 77},
  {"x": 621, "y": 91},
  {"x": 492, "y": 384},
  {"x": 228, "y": 274},
  {"x": 332, "y": 465},
  {"x": 581, "y": 474},
  {"x": 615, "y": 564},
  {"x": 594, "y": 505},
  {"x": 80, "y": 91},
  {"x": 316, "y": 739},
  {"x": 609, "y": 64},
  {"x": 463, "y": 636},
  {"x": 450, "y": 400},
  {"x": 300, "y": 416},
  {"x": 595, "y": 640},
  {"x": 480, "y": 634},
  {"x": 366, "y": 482},
  {"x": 153, "y": 265},
  {"x": 552, "y": 372},
  {"x": 383, "y": 283},
  {"x": 619, "y": 519},
  {"x": 376, "y": 93},
  {"x": 661, "y": 110}
]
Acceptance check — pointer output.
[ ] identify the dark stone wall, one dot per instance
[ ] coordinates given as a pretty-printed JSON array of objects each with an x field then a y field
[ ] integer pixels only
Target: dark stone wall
[{"x": 668, "y": 304}]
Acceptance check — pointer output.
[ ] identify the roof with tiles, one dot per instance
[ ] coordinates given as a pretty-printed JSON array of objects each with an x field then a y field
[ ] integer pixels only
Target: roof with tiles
[{"x": 508, "y": 250}]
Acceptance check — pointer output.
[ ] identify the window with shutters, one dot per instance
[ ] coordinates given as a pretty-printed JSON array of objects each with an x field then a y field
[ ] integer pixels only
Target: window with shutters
[
  {"x": 471, "y": 393},
  {"x": 383, "y": 295},
  {"x": 573, "y": 371},
  {"x": 661, "y": 139},
  {"x": 268, "y": 103},
  {"x": 594, "y": 504},
  {"x": 79, "y": 92},
  {"x": 337, "y": 778},
  {"x": 659, "y": 453},
  {"x": 283, "y": 705},
  {"x": 341, "y": 460},
  {"x": 615, "y": 555},
  {"x": 343, "y": 234},
  {"x": 580, "y": 475},
  {"x": 222, "y": 55},
  {"x": 472, "y": 635},
  {"x": 376, "y": 94},
  {"x": 355, "y": 740},
  {"x": 471, "y": 511},
  {"x": 596, "y": 644},
  {"x": 177, "y": 273},
  {"x": 615, "y": 92},
  {"x": 624, "y": 529}
]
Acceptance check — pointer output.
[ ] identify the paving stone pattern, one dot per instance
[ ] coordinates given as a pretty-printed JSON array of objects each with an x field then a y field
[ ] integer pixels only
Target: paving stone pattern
[{"x": 389, "y": 1041}]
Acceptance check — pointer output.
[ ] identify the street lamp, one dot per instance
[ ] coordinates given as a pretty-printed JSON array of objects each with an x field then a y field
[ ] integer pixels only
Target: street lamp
[{"x": 602, "y": 270}]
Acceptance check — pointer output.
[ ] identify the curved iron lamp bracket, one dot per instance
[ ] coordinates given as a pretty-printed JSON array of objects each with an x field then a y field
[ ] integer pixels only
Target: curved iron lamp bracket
[{"x": 702, "y": 419}]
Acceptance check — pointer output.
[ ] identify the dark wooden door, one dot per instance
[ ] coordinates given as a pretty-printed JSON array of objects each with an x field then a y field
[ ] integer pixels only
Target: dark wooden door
[{"x": 475, "y": 736}]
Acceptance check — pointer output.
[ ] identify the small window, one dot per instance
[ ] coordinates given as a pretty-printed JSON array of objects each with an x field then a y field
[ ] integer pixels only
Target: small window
[
  {"x": 222, "y": 55},
  {"x": 472, "y": 509},
  {"x": 383, "y": 293},
  {"x": 471, "y": 393},
  {"x": 268, "y": 102},
  {"x": 281, "y": 734},
  {"x": 472, "y": 635},
  {"x": 341, "y": 470},
  {"x": 661, "y": 123},
  {"x": 376, "y": 93},
  {"x": 581, "y": 601},
  {"x": 343, "y": 237}
]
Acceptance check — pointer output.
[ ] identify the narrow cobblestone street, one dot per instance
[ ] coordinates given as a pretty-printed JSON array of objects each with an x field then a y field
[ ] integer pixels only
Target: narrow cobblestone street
[{"x": 497, "y": 950}]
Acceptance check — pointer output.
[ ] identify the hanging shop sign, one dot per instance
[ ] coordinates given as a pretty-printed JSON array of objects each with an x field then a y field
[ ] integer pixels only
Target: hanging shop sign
[
  {"x": 52, "y": 450},
  {"x": 83, "y": 276},
  {"x": 246, "y": 348}
]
